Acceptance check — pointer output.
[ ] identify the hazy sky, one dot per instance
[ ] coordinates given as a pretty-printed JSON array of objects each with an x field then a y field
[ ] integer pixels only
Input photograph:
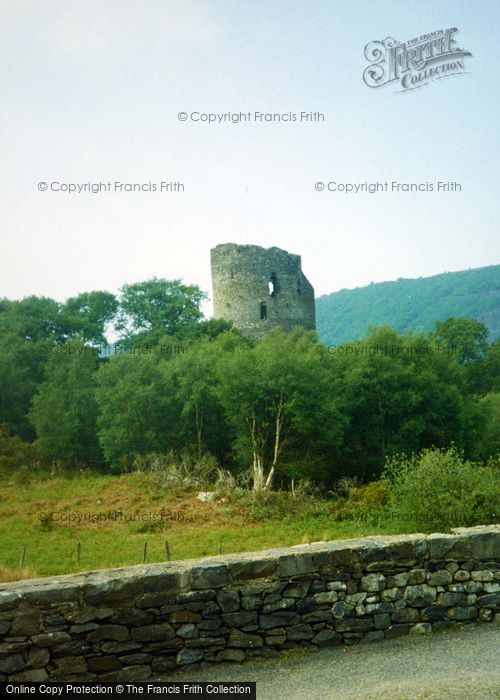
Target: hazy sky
[{"x": 90, "y": 91}]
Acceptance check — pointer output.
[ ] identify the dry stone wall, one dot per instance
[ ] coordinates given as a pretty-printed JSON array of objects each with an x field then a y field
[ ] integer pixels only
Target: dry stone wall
[{"x": 145, "y": 621}]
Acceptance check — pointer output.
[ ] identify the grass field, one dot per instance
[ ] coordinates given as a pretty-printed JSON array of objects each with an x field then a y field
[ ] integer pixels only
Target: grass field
[{"x": 112, "y": 517}]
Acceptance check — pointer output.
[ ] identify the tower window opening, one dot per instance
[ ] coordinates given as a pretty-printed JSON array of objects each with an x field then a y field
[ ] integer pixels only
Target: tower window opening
[
  {"x": 263, "y": 311},
  {"x": 272, "y": 284},
  {"x": 299, "y": 288}
]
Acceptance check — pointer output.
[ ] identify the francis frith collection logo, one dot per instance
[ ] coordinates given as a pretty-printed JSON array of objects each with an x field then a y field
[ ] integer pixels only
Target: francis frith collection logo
[{"x": 414, "y": 63}]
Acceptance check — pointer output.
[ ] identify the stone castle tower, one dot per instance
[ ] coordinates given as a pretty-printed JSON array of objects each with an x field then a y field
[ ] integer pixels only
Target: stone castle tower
[{"x": 259, "y": 289}]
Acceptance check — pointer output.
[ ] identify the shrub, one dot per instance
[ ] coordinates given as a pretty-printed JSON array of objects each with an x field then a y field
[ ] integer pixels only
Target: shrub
[
  {"x": 437, "y": 489},
  {"x": 365, "y": 503},
  {"x": 174, "y": 472},
  {"x": 16, "y": 455},
  {"x": 260, "y": 506}
]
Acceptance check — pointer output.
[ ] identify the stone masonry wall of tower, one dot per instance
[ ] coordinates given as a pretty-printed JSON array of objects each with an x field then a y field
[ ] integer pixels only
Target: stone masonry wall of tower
[{"x": 259, "y": 289}]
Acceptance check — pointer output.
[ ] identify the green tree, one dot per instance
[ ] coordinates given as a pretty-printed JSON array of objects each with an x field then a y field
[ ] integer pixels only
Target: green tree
[
  {"x": 487, "y": 442},
  {"x": 27, "y": 330},
  {"x": 195, "y": 376},
  {"x": 22, "y": 363},
  {"x": 484, "y": 373},
  {"x": 87, "y": 315},
  {"x": 30, "y": 331},
  {"x": 32, "y": 318},
  {"x": 64, "y": 410},
  {"x": 139, "y": 412},
  {"x": 158, "y": 307},
  {"x": 400, "y": 394},
  {"x": 466, "y": 336},
  {"x": 276, "y": 400}
]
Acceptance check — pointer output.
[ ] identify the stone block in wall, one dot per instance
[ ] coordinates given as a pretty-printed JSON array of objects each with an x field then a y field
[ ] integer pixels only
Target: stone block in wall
[
  {"x": 109, "y": 589},
  {"x": 35, "y": 675},
  {"x": 258, "y": 586},
  {"x": 397, "y": 631},
  {"x": 394, "y": 548},
  {"x": 244, "y": 640},
  {"x": 195, "y": 597},
  {"x": 89, "y": 613},
  {"x": 297, "y": 589},
  {"x": 416, "y": 576},
  {"x": 229, "y": 601},
  {"x": 133, "y": 659},
  {"x": 276, "y": 639},
  {"x": 190, "y": 631},
  {"x": 118, "y": 633},
  {"x": 240, "y": 619},
  {"x": 439, "y": 578},
  {"x": 382, "y": 621},
  {"x": 210, "y": 609},
  {"x": 318, "y": 616},
  {"x": 462, "y": 613},
  {"x": 327, "y": 637},
  {"x": 9, "y": 600},
  {"x": 281, "y": 604},
  {"x": 119, "y": 647},
  {"x": 348, "y": 553},
  {"x": 50, "y": 639},
  {"x": 132, "y": 617},
  {"x": 491, "y": 600},
  {"x": 47, "y": 593},
  {"x": 451, "y": 598},
  {"x": 484, "y": 541},
  {"x": 230, "y": 655},
  {"x": 152, "y": 633},
  {"x": 75, "y": 647},
  {"x": 295, "y": 565},
  {"x": 420, "y": 596},
  {"x": 433, "y": 613},
  {"x": 71, "y": 664},
  {"x": 283, "y": 618},
  {"x": 161, "y": 664},
  {"x": 166, "y": 578},
  {"x": 104, "y": 663},
  {"x": 485, "y": 575},
  {"x": 405, "y": 615},
  {"x": 449, "y": 547},
  {"x": 248, "y": 569},
  {"x": 341, "y": 610},
  {"x": 37, "y": 658},
  {"x": 299, "y": 632},
  {"x": 12, "y": 646},
  {"x": 209, "y": 575},
  {"x": 26, "y": 624},
  {"x": 373, "y": 582},
  {"x": 354, "y": 624},
  {"x": 12, "y": 663}
]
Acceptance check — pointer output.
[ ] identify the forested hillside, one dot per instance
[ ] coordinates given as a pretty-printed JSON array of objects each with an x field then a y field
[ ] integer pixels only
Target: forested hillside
[
  {"x": 284, "y": 409},
  {"x": 411, "y": 304}
]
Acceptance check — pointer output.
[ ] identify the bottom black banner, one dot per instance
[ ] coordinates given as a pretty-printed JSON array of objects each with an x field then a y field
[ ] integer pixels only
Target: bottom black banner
[{"x": 202, "y": 690}]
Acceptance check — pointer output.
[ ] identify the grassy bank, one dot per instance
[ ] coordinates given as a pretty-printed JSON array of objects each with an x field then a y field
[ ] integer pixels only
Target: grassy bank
[
  {"x": 112, "y": 517},
  {"x": 82, "y": 521}
]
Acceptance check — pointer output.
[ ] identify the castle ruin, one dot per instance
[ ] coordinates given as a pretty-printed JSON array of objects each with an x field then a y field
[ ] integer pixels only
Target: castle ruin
[{"x": 259, "y": 289}]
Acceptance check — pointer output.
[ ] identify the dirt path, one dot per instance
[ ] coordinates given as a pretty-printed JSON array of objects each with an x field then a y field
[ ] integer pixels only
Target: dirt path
[{"x": 461, "y": 664}]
